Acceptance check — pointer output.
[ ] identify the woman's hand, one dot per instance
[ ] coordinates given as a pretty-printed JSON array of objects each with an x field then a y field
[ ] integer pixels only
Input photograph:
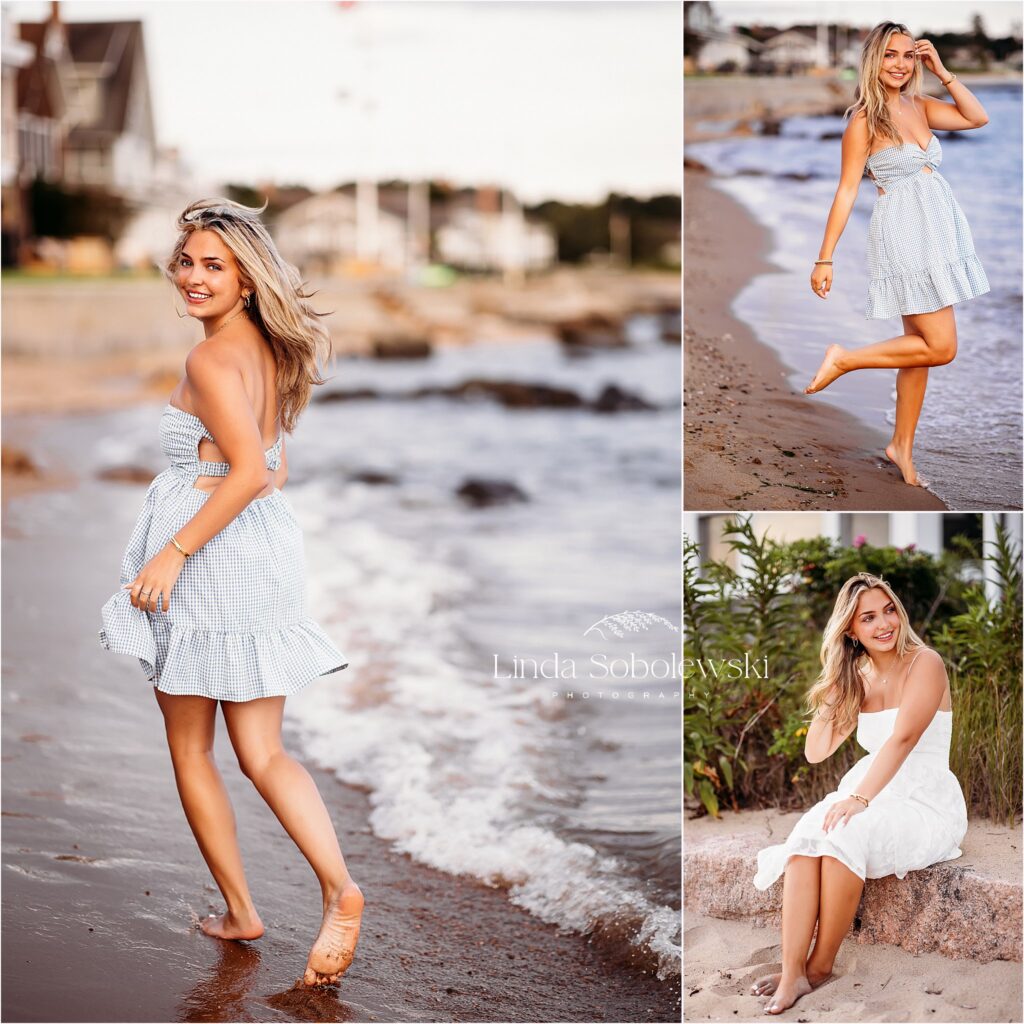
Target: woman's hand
[
  {"x": 841, "y": 812},
  {"x": 152, "y": 588},
  {"x": 928, "y": 55},
  {"x": 821, "y": 279}
]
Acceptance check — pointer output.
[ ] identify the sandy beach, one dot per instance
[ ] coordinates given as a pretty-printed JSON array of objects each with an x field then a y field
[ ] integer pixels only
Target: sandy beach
[
  {"x": 103, "y": 880},
  {"x": 751, "y": 441},
  {"x": 873, "y": 982}
]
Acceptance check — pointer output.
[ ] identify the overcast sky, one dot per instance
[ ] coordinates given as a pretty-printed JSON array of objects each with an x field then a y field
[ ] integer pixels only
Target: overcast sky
[
  {"x": 918, "y": 15},
  {"x": 561, "y": 100}
]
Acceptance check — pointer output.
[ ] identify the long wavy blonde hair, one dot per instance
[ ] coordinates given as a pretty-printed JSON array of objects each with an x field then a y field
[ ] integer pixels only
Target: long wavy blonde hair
[
  {"x": 840, "y": 687},
  {"x": 299, "y": 340},
  {"x": 870, "y": 95}
]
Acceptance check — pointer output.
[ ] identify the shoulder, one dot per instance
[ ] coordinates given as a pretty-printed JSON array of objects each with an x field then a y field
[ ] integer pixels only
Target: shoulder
[
  {"x": 855, "y": 135},
  {"x": 927, "y": 669},
  {"x": 210, "y": 362}
]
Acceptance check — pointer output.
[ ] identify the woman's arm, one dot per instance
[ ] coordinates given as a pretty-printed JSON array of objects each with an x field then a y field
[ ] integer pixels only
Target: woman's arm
[
  {"x": 922, "y": 694},
  {"x": 854, "y": 157},
  {"x": 964, "y": 112},
  {"x": 823, "y": 738},
  {"x": 215, "y": 383}
]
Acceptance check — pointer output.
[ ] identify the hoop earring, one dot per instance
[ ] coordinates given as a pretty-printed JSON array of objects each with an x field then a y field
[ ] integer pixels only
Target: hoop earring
[{"x": 246, "y": 299}]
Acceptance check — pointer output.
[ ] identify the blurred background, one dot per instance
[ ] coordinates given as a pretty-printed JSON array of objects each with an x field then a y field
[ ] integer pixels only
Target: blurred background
[
  {"x": 765, "y": 90},
  {"x": 486, "y": 199}
]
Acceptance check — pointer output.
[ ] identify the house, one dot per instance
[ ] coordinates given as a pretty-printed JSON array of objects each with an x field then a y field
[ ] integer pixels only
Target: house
[
  {"x": 727, "y": 51},
  {"x": 930, "y": 532},
  {"x": 15, "y": 54},
  {"x": 485, "y": 230},
  {"x": 111, "y": 143},
  {"x": 797, "y": 49},
  {"x": 320, "y": 235}
]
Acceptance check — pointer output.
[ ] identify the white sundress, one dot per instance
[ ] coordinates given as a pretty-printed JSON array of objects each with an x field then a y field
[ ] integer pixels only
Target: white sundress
[
  {"x": 237, "y": 627},
  {"x": 920, "y": 251},
  {"x": 918, "y": 819}
]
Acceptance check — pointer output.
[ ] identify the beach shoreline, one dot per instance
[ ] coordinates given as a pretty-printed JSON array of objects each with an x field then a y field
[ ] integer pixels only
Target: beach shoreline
[
  {"x": 751, "y": 441},
  {"x": 104, "y": 880}
]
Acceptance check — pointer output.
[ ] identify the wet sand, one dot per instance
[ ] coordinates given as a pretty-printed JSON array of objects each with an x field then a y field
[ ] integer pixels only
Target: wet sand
[
  {"x": 751, "y": 441},
  {"x": 103, "y": 880}
]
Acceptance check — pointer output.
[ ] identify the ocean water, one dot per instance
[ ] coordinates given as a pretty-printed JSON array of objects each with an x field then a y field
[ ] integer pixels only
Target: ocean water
[
  {"x": 563, "y": 790},
  {"x": 968, "y": 442}
]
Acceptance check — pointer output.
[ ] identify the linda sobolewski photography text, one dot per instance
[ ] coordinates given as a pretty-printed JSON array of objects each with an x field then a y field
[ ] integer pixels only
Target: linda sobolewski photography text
[
  {"x": 943, "y": 940},
  {"x": 765, "y": 94},
  {"x": 492, "y": 227}
]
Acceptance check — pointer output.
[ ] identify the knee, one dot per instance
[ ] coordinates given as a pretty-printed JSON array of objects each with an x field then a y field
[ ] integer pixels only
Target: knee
[
  {"x": 255, "y": 764},
  {"x": 943, "y": 351}
]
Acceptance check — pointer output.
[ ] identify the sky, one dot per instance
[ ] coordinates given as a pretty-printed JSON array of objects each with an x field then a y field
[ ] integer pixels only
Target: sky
[
  {"x": 553, "y": 100},
  {"x": 937, "y": 15}
]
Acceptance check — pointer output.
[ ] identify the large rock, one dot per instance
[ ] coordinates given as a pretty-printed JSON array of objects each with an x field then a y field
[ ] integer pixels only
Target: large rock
[{"x": 956, "y": 911}]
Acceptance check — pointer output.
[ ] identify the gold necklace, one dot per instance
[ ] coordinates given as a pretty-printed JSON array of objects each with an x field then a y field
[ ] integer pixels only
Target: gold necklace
[{"x": 241, "y": 312}]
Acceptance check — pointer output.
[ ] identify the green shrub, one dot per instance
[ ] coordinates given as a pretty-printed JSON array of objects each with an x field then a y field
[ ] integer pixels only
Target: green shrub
[{"x": 744, "y": 731}]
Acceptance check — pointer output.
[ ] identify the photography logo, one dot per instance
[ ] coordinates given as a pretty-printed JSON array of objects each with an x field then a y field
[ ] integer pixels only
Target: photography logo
[{"x": 615, "y": 672}]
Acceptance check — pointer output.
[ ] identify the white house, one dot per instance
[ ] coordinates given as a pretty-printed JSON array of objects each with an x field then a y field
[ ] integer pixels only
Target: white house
[
  {"x": 927, "y": 531},
  {"x": 320, "y": 234},
  {"x": 727, "y": 48}
]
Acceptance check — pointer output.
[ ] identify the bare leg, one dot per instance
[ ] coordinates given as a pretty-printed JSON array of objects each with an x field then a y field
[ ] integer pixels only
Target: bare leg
[
  {"x": 932, "y": 342},
  {"x": 841, "y": 890},
  {"x": 255, "y": 730},
  {"x": 800, "y": 895},
  {"x": 910, "y": 388},
  {"x": 189, "y": 722}
]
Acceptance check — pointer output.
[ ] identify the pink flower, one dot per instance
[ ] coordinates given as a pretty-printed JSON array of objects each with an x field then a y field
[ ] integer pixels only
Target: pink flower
[
  {"x": 909, "y": 547},
  {"x": 860, "y": 540}
]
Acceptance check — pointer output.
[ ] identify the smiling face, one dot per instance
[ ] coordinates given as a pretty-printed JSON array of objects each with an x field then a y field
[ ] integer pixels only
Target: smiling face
[
  {"x": 208, "y": 278},
  {"x": 898, "y": 60},
  {"x": 876, "y": 622}
]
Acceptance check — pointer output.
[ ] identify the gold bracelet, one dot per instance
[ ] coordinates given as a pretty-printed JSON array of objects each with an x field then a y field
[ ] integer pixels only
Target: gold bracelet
[
  {"x": 862, "y": 799},
  {"x": 828, "y": 262},
  {"x": 948, "y": 80},
  {"x": 174, "y": 541}
]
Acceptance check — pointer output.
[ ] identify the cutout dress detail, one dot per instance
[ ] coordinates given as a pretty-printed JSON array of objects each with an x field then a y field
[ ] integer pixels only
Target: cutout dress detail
[
  {"x": 237, "y": 627},
  {"x": 920, "y": 252},
  {"x": 918, "y": 819}
]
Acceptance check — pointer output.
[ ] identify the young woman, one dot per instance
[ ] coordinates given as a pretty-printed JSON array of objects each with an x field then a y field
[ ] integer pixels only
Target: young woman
[
  {"x": 213, "y": 587},
  {"x": 920, "y": 252},
  {"x": 896, "y": 810}
]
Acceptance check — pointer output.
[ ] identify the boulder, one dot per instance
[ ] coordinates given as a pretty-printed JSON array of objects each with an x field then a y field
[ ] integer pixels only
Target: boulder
[{"x": 948, "y": 909}]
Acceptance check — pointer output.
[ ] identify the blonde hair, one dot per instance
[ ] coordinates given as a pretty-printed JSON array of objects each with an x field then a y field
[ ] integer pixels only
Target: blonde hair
[
  {"x": 840, "y": 687},
  {"x": 870, "y": 95},
  {"x": 293, "y": 329}
]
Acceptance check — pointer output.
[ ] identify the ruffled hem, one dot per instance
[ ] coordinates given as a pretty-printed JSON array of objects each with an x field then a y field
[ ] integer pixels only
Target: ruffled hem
[
  {"x": 222, "y": 665},
  {"x": 927, "y": 291}
]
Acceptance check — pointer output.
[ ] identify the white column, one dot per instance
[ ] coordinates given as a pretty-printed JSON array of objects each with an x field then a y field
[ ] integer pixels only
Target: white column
[
  {"x": 832, "y": 526},
  {"x": 988, "y": 539},
  {"x": 929, "y": 532},
  {"x": 691, "y": 526},
  {"x": 902, "y": 528}
]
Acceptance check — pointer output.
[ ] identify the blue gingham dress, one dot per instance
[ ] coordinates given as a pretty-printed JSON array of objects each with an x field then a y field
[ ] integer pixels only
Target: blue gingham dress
[
  {"x": 920, "y": 252},
  {"x": 237, "y": 627}
]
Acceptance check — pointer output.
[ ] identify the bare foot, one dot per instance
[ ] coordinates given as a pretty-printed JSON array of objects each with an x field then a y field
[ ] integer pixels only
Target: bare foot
[
  {"x": 228, "y": 926},
  {"x": 905, "y": 464},
  {"x": 335, "y": 946},
  {"x": 787, "y": 994},
  {"x": 770, "y": 982},
  {"x": 827, "y": 372}
]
